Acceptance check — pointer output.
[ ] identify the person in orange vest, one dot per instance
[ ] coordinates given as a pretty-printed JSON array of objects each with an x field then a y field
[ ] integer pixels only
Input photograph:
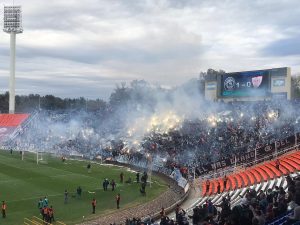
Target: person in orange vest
[
  {"x": 118, "y": 198},
  {"x": 50, "y": 214},
  {"x": 94, "y": 202},
  {"x": 3, "y": 207},
  {"x": 45, "y": 213}
]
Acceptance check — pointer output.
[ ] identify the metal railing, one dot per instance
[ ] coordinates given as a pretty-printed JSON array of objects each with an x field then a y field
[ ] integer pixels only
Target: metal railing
[{"x": 227, "y": 170}]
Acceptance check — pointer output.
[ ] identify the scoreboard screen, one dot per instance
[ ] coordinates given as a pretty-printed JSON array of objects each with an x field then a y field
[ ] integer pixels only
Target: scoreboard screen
[{"x": 245, "y": 84}]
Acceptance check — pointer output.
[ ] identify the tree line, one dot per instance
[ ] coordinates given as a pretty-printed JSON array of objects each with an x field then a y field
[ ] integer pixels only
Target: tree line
[{"x": 138, "y": 92}]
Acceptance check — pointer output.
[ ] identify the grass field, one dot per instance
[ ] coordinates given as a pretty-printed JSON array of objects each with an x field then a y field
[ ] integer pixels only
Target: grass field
[{"x": 22, "y": 183}]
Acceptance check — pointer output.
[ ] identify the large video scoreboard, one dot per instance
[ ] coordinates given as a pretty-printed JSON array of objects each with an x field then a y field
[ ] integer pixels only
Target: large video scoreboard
[{"x": 245, "y": 84}]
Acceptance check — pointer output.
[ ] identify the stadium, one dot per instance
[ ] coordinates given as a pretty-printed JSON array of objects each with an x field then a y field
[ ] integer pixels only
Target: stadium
[
  {"x": 238, "y": 156},
  {"x": 222, "y": 149}
]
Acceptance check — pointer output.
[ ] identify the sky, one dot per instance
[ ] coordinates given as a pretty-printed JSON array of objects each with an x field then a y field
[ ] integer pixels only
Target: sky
[{"x": 75, "y": 48}]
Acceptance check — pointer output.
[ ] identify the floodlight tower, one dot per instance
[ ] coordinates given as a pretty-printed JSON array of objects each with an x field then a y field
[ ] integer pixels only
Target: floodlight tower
[{"x": 13, "y": 26}]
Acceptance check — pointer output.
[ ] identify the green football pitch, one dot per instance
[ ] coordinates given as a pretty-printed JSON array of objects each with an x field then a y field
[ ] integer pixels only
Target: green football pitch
[{"x": 22, "y": 183}]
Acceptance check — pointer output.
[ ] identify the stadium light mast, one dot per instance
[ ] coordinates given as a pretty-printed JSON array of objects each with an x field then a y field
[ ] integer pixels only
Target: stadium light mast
[{"x": 12, "y": 26}]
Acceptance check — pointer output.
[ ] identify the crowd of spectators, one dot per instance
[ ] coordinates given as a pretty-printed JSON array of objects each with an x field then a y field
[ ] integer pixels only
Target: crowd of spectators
[
  {"x": 228, "y": 130},
  {"x": 255, "y": 208}
]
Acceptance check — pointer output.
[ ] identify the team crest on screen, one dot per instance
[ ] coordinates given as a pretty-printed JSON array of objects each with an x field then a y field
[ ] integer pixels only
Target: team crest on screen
[
  {"x": 229, "y": 83},
  {"x": 256, "y": 81}
]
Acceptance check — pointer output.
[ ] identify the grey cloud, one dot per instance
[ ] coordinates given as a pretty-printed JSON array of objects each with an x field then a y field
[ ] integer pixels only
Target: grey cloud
[
  {"x": 100, "y": 42},
  {"x": 284, "y": 47}
]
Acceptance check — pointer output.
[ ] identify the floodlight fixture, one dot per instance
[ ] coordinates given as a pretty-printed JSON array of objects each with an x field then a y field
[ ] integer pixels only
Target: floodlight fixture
[{"x": 13, "y": 26}]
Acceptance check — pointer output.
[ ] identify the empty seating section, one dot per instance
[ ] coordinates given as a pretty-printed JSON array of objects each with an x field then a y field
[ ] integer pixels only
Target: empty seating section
[
  {"x": 254, "y": 175},
  {"x": 282, "y": 169},
  {"x": 269, "y": 172},
  {"x": 239, "y": 180},
  {"x": 275, "y": 171},
  {"x": 287, "y": 166},
  {"x": 262, "y": 173},
  {"x": 245, "y": 179},
  {"x": 12, "y": 120},
  {"x": 232, "y": 183},
  {"x": 292, "y": 163},
  {"x": 250, "y": 176}
]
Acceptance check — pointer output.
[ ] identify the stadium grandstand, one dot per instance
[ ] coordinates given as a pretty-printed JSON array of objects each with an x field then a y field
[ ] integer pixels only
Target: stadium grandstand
[
  {"x": 232, "y": 162},
  {"x": 10, "y": 124},
  {"x": 261, "y": 168}
]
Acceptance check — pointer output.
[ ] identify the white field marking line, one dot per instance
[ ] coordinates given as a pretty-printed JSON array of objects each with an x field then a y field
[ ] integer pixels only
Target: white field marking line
[
  {"x": 37, "y": 198},
  {"x": 29, "y": 178}
]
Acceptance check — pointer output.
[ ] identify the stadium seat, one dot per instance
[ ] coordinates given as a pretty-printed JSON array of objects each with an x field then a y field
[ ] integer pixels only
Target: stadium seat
[
  {"x": 295, "y": 159},
  {"x": 239, "y": 180},
  {"x": 269, "y": 172},
  {"x": 12, "y": 120},
  {"x": 245, "y": 179},
  {"x": 215, "y": 190},
  {"x": 203, "y": 189},
  {"x": 232, "y": 181},
  {"x": 262, "y": 173},
  {"x": 211, "y": 188},
  {"x": 250, "y": 177},
  {"x": 282, "y": 169},
  {"x": 221, "y": 184},
  {"x": 275, "y": 171},
  {"x": 287, "y": 166},
  {"x": 292, "y": 163},
  {"x": 258, "y": 178}
]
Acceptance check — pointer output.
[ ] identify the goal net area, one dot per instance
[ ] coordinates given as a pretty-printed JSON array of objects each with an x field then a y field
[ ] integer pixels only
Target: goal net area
[{"x": 41, "y": 157}]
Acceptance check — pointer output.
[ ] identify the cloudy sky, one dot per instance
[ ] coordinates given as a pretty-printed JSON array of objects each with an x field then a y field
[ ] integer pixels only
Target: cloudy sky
[{"x": 75, "y": 48}]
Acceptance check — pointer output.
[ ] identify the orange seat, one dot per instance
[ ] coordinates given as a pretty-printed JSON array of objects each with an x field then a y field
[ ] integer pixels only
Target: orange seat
[
  {"x": 282, "y": 168},
  {"x": 215, "y": 190},
  {"x": 239, "y": 180},
  {"x": 221, "y": 184},
  {"x": 296, "y": 155},
  {"x": 228, "y": 185},
  {"x": 245, "y": 179},
  {"x": 292, "y": 163},
  {"x": 295, "y": 159},
  {"x": 232, "y": 181},
  {"x": 210, "y": 191},
  {"x": 204, "y": 188},
  {"x": 12, "y": 120},
  {"x": 250, "y": 177},
  {"x": 268, "y": 171},
  {"x": 258, "y": 178},
  {"x": 262, "y": 173},
  {"x": 287, "y": 166},
  {"x": 275, "y": 171}
]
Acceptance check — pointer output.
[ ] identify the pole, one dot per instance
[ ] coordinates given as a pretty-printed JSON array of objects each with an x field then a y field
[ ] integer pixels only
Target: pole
[
  {"x": 194, "y": 173},
  {"x": 276, "y": 151},
  {"x": 235, "y": 162},
  {"x": 296, "y": 140},
  {"x": 39, "y": 103},
  {"x": 12, "y": 73}
]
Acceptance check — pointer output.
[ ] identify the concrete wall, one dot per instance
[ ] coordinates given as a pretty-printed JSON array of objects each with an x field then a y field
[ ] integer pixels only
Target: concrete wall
[{"x": 281, "y": 82}]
